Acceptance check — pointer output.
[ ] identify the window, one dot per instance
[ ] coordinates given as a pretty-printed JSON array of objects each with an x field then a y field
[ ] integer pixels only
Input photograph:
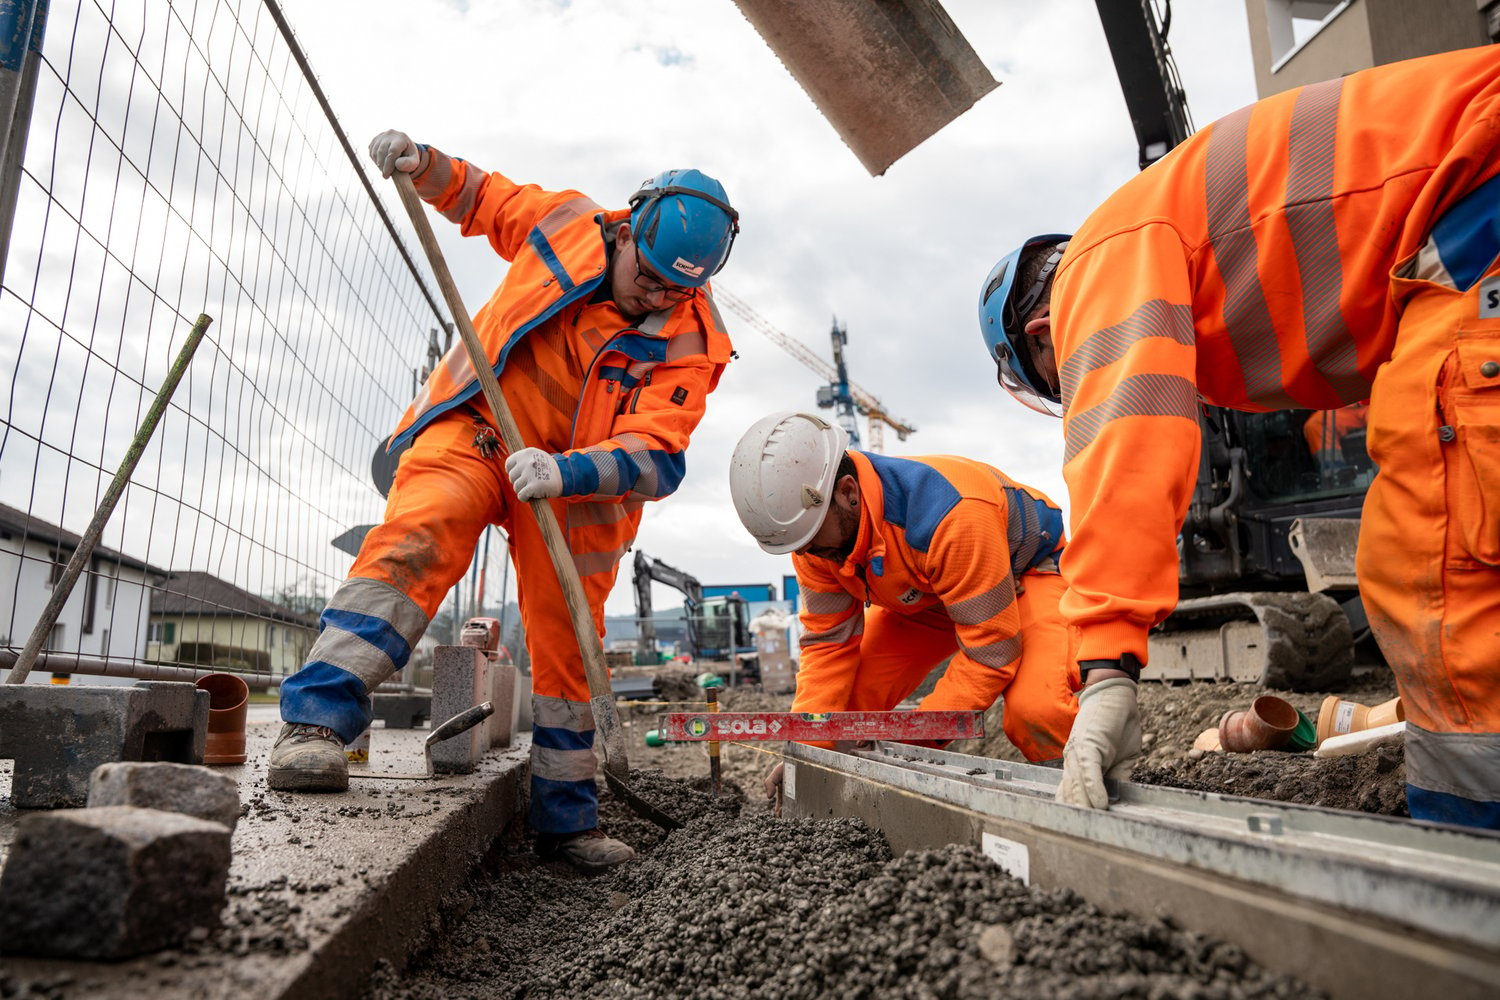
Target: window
[
  {"x": 104, "y": 644},
  {"x": 109, "y": 587},
  {"x": 56, "y": 637},
  {"x": 55, "y": 571},
  {"x": 271, "y": 636},
  {"x": 162, "y": 632},
  {"x": 1291, "y": 24}
]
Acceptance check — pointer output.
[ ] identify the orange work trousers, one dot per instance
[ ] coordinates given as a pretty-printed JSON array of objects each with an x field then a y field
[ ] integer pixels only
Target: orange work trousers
[
  {"x": 897, "y": 652},
  {"x": 1429, "y": 549},
  {"x": 444, "y": 495}
]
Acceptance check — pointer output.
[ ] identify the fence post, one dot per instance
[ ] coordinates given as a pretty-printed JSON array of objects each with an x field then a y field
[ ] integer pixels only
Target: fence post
[{"x": 23, "y": 23}]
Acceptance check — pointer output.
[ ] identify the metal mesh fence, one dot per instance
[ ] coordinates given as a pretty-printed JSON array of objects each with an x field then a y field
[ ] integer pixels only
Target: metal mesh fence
[{"x": 179, "y": 160}]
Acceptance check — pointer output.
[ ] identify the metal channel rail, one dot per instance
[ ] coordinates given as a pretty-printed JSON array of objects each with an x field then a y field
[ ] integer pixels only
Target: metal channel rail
[{"x": 1358, "y": 905}]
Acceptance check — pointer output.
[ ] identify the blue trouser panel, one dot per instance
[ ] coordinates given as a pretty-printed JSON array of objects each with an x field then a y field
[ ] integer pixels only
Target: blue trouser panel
[
  {"x": 564, "y": 797},
  {"x": 1439, "y": 807},
  {"x": 563, "y": 806},
  {"x": 365, "y": 634},
  {"x": 321, "y": 694}
]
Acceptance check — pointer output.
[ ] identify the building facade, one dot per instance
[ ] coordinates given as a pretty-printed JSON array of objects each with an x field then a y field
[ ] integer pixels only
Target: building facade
[
  {"x": 197, "y": 619},
  {"x": 1297, "y": 42},
  {"x": 107, "y": 612}
]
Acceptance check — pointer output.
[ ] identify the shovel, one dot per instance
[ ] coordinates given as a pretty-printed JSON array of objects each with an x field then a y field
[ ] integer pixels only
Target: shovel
[
  {"x": 460, "y": 723},
  {"x": 601, "y": 697}
]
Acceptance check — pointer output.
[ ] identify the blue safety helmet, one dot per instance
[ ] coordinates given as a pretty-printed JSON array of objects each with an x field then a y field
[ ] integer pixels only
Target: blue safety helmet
[
  {"x": 683, "y": 225},
  {"x": 1002, "y": 321}
]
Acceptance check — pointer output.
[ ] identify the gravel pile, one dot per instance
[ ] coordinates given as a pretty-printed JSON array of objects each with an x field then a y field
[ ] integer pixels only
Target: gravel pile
[{"x": 757, "y": 907}]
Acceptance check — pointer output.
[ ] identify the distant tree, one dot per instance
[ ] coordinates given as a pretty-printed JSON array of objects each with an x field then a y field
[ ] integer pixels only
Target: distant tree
[{"x": 304, "y": 597}]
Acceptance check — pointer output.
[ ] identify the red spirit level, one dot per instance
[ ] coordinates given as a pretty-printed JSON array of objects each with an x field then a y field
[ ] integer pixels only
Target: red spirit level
[{"x": 748, "y": 726}]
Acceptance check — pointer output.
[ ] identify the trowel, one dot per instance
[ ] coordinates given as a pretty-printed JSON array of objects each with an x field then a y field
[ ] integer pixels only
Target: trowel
[{"x": 460, "y": 723}]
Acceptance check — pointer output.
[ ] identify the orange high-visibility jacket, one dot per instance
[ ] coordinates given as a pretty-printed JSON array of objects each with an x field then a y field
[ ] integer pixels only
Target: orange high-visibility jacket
[
  {"x": 933, "y": 531},
  {"x": 1251, "y": 266},
  {"x": 645, "y": 389}
]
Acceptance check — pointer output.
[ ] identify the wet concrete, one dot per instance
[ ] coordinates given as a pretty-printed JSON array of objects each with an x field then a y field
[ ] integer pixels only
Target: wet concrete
[
  {"x": 742, "y": 905},
  {"x": 321, "y": 887}
]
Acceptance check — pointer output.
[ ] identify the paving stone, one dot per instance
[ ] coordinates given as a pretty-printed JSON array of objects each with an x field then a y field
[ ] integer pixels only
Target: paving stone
[
  {"x": 111, "y": 882},
  {"x": 58, "y": 735},
  {"x": 184, "y": 788},
  {"x": 460, "y": 680}
]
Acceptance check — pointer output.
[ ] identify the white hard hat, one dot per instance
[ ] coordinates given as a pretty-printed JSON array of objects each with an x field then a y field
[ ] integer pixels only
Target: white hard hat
[{"x": 781, "y": 478}]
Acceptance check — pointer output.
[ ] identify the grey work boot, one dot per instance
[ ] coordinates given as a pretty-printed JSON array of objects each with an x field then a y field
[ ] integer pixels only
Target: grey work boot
[
  {"x": 308, "y": 758},
  {"x": 591, "y": 852}
]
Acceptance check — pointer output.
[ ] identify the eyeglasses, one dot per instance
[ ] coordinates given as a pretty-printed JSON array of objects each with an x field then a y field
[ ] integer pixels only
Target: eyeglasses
[{"x": 647, "y": 281}]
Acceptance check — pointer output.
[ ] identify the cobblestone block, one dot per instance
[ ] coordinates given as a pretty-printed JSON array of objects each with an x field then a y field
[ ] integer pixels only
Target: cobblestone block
[
  {"x": 183, "y": 788},
  {"x": 58, "y": 735},
  {"x": 110, "y": 883},
  {"x": 460, "y": 680}
]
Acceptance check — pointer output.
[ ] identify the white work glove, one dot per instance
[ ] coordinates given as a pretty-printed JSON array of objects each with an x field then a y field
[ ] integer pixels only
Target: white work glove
[
  {"x": 534, "y": 474},
  {"x": 392, "y": 151},
  {"x": 1106, "y": 740}
]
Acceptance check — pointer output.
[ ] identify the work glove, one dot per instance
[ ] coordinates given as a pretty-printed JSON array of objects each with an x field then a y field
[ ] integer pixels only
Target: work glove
[
  {"x": 534, "y": 474},
  {"x": 1106, "y": 740},
  {"x": 392, "y": 151}
]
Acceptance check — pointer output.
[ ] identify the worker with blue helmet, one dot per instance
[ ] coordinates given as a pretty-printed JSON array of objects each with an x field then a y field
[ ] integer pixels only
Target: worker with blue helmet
[
  {"x": 606, "y": 346},
  {"x": 1006, "y": 303},
  {"x": 683, "y": 226}
]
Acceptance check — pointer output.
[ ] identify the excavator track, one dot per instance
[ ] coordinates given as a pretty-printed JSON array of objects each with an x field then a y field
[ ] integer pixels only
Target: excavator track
[{"x": 1292, "y": 640}]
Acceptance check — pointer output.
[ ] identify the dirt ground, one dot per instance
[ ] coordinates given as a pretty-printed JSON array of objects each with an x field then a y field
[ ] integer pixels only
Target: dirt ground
[{"x": 740, "y": 904}]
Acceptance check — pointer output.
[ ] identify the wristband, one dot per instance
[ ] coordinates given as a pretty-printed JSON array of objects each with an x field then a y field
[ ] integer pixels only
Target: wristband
[{"x": 1126, "y": 663}]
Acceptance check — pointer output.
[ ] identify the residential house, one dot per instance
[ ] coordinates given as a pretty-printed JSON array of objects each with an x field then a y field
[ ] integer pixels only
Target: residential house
[
  {"x": 105, "y": 616},
  {"x": 199, "y": 619}
]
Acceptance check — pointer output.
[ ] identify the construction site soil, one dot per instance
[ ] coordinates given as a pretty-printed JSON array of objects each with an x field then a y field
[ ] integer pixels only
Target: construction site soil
[{"x": 742, "y": 904}]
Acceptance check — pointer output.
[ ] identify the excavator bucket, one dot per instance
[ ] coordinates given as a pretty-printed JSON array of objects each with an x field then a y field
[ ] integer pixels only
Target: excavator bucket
[{"x": 886, "y": 73}]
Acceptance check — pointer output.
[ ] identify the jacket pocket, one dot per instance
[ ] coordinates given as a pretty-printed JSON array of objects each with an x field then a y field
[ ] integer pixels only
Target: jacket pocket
[{"x": 1474, "y": 409}]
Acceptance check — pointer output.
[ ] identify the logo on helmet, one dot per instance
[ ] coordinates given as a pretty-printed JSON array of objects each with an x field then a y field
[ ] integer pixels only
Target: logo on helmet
[{"x": 687, "y": 267}]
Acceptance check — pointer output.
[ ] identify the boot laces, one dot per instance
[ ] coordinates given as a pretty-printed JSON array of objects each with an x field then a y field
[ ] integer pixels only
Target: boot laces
[{"x": 302, "y": 732}]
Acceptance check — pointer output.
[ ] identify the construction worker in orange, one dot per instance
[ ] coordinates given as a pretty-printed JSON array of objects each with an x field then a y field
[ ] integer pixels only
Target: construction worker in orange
[
  {"x": 904, "y": 562},
  {"x": 1325, "y": 430},
  {"x": 606, "y": 343},
  {"x": 1325, "y": 246}
]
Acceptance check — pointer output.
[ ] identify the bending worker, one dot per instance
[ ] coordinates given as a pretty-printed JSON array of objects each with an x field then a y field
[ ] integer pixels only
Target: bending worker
[
  {"x": 904, "y": 562},
  {"x": 606, "y": 344},
  {"x": 1324, "y": 246}
]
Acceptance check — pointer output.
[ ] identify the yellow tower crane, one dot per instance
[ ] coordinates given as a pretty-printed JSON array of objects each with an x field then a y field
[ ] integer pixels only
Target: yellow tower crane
[{"x": 840, "y": 393}]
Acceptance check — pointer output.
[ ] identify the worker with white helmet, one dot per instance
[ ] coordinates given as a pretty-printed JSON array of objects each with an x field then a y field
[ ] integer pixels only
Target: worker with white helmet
[{"x": 904, "y": 562}]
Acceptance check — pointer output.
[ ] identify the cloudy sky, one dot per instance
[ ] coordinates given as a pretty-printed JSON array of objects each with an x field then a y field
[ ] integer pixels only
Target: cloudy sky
[{"x": 596, "y": 95}]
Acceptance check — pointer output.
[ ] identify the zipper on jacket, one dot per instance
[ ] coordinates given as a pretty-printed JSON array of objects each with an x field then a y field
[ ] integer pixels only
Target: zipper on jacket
[{"x": 859, "y": 571}]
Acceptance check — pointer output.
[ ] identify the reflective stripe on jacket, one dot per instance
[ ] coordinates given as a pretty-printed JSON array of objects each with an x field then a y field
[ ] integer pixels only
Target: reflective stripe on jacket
[
  {"x": 936, "y": 531},
  {"x": 1250, "y": 266}
]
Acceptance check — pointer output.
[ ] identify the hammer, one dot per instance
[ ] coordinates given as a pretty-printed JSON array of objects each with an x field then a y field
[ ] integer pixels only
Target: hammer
[{"x": 460, "y": 723}]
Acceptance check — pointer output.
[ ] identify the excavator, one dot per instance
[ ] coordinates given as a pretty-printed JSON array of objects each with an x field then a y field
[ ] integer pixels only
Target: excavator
[
  {"x": 1266, "y": 555},
  {"x": 718, "y": 628}
]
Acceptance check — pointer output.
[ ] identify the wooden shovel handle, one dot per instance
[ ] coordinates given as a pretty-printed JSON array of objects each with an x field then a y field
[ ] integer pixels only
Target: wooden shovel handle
[{"x": 562, "y": 559}]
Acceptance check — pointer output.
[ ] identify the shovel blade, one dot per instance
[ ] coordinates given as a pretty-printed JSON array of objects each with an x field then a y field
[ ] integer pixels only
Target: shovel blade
[
  {"x": 607, "y": 725},
  {"x": 886, "y": 75}
]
